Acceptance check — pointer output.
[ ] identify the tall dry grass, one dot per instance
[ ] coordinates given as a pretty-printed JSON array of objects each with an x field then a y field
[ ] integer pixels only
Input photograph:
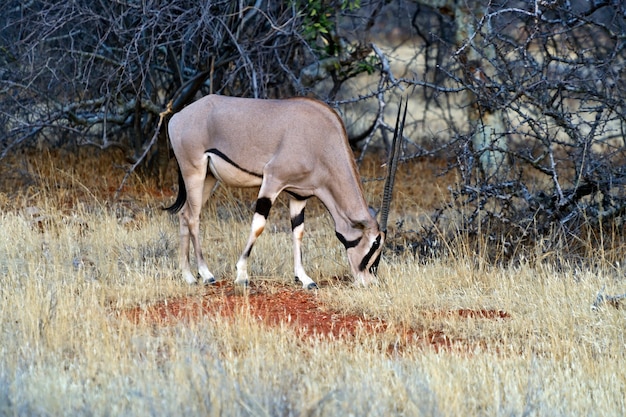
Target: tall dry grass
[{"x": 70, "y": 259}]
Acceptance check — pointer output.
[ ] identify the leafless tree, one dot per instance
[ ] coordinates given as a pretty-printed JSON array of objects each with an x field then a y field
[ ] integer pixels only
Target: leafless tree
[
  {"x": 544, "y": 84},
  {"x": 100, "y": 72}
]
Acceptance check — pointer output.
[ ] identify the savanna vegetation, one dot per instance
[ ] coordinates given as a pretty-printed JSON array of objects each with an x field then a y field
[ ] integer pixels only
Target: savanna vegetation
[
  {"x": 509, "y": 198},
  {"x": 74, "y": 261}
]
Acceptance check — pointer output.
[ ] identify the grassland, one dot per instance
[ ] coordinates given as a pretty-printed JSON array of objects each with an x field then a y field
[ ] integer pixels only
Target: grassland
[{"x": 71, "y": 260}]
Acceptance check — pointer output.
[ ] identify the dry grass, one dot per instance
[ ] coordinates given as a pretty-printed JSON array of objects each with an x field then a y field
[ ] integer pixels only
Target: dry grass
[{"x": 70, "y": 259}]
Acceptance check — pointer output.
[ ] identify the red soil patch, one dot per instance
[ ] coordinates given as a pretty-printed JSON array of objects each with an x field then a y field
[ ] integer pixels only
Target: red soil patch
[{"x": 303, "y": 311}]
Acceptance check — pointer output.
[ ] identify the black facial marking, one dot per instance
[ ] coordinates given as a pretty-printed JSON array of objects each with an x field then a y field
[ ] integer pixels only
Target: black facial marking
[
  {"x": 263, "y": 206},
  {"x": 298, "y": 220},
  {"x": 368, "y": 256},
  {"x": 374, "y": 267},
  {"x": 230, "y": 161},
  {"x": 347, "y": 244}
]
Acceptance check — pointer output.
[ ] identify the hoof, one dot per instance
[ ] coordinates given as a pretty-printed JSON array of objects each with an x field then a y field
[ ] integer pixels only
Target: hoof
[
  {"x": 209, "y": 281},
  {"x": 312, "y": 286}
]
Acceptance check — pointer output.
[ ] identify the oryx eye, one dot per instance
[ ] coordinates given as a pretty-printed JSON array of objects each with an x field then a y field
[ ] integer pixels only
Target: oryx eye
[{"x": 376, "y": 243}]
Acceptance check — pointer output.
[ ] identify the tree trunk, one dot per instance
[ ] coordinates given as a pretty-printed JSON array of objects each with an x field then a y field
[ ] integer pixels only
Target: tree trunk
[{"x": 486, "y": 122}]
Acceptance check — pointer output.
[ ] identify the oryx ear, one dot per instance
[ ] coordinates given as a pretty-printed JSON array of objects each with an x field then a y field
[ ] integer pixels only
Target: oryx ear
[{"x": 373, "y": 211}]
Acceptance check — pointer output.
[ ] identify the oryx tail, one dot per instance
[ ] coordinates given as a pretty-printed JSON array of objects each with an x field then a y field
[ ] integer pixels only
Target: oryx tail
[{"x": 181, "y": 198}]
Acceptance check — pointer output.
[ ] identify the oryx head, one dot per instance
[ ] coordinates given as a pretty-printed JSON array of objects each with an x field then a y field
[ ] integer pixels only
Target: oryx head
[{"x": 364, "y": 254}]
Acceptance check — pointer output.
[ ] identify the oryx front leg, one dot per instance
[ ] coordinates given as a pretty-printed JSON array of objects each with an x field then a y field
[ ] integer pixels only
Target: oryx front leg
[
  {"x": 262, "y": 210},
  {"x": 296, "y": 211}
]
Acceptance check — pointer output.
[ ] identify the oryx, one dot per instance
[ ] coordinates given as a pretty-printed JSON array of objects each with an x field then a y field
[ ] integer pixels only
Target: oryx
[{"x": 296, "y": 145}]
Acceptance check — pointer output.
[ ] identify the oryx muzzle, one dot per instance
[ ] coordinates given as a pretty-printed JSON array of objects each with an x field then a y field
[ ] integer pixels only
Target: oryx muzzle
[{"x": 297, "y": 145}]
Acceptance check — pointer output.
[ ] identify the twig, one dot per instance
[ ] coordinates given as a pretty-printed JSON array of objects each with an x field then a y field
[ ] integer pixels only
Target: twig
[
  {"x": 384, "y": 62},
  {"x": 386, "y": 77},
  {"x": 601, "y": 298}
]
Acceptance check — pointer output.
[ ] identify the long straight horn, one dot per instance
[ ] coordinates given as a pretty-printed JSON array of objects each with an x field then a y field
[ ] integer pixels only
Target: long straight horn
[{"x": 392, "y": 166}]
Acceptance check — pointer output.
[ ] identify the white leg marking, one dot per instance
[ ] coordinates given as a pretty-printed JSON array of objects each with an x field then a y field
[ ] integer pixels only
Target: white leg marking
[
  {"x": 205, "y": 274},
  {"x": 242, "y": 272},
  {"x": 188, "y": 277},
  {"x": 296, "y": 211},
  {"x": 258, "y": 224}
]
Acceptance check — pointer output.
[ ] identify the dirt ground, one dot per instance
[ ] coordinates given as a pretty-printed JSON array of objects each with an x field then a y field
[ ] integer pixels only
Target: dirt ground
[{"x": 303, "y": 312}]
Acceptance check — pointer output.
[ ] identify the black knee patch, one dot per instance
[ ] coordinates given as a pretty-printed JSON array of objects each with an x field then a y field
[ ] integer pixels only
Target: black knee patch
[
  {"x": 298, "y": 220},
  {"x": 263, "y": 206}
]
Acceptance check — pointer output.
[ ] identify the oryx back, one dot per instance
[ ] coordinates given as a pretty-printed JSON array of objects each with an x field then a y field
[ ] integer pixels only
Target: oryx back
[{"x": 242, "y": 136}]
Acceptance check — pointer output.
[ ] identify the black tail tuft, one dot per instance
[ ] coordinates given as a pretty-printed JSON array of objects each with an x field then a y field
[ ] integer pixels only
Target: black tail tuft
[{"x": 182, "y": 196}]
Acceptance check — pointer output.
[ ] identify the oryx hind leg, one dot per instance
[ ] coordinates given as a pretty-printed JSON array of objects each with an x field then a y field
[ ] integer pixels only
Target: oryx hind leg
[
  {"x": 183, "y": 254},
  {"x": 296, "y": 212},
  {"x": 196, "y": 185}
]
